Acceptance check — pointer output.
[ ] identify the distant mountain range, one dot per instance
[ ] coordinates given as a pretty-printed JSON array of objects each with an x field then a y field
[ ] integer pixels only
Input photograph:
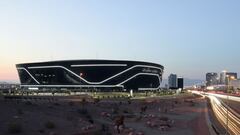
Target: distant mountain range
[
  {"x": 187, "y": 82},
  {"x": 4, "y": 83},
  {"x": 9, "y": 82}
]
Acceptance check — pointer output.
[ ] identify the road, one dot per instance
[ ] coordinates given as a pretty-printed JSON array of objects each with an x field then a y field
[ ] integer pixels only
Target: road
[
  {"x": 226, "y": 116},
  {"x": 225, "y": 97}
]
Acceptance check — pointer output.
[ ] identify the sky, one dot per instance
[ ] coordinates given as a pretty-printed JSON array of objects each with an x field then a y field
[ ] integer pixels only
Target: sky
[{"x": 187, "y": 37}]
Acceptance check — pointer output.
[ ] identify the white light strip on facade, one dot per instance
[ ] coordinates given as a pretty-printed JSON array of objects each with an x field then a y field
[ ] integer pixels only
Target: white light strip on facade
[
  {"x": 130, "y": 69},
  {"x": 138, "y": 75},
  {"x": 144, "y": 74},
  {"x": 43, "y": 67},
  {"x": 100, "y": 65},
  {"x": 21, "y": 68},
  {"x": 119, "y": 85},
  {"x": 73, "y": 86}
]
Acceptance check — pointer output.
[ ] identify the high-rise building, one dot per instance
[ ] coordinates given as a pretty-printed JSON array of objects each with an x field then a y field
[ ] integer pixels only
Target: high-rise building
[
  {"x": 222, "y": 79},
  {"x": 225, "y": 76},
  {"x": 230, "y": 76},
  {"x": 180, "y": 83},
  {"x": 172, "y": 81},
  {"x": 211, "y": 79}
]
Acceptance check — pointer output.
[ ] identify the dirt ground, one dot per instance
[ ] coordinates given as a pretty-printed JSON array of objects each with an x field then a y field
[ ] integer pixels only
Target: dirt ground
[{"x": 179, "y": 115}]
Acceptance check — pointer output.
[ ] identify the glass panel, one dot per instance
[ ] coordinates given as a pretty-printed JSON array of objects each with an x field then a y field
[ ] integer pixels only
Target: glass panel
[
  {"x": 25, "y": 78},
  {"x": 98, "y": 74},
  {"x": 55, "y": 76},
  {"x": 142, "y": 81}
]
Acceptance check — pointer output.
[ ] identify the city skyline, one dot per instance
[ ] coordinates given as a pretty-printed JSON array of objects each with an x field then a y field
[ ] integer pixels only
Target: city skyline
[{"x": 188, "y": 38}]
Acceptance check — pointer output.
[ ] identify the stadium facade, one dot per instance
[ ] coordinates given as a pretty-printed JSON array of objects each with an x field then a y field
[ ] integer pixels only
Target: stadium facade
[{"x": 125, "y": 75}]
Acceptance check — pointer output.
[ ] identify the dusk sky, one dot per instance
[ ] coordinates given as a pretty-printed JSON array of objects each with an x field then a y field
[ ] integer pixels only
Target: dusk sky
[{"x": 187, "y": 37}]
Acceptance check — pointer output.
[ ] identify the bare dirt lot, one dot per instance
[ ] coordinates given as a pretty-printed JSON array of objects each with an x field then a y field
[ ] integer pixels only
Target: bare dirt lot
[{"x": 75, "y": 115}]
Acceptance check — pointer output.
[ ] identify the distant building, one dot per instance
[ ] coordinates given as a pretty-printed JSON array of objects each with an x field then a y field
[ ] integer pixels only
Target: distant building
[
  {"x": 211, "y": 79},
  {"x": 172, "y": 81},
  {"x": 180, "y": 82},
  {"x": 231, "y": 75},
  {"x": 7, "y": 87},
  {"x": 235, "y": 84},
  {"x": 224, "y": 77},
  {"x": 166, "y": 86}
]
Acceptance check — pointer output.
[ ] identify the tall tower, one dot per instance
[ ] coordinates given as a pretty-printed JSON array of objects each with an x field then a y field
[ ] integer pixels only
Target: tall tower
[
  {"x": 172, "y": 81},
  {"x": 223, "y": 77},
  {"x": 180, "y": 83},
  {"x": 211, "y": 79}
]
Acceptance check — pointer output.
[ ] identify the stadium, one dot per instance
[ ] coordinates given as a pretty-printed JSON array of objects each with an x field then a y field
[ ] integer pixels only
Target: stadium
[{"x": 99, "y": 74}]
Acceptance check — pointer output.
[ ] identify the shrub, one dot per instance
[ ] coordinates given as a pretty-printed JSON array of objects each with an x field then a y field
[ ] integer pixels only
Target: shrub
[
  {"x": 84, "y": 100},
  {"x": 91, "y": 121},
  {"x": 138, "y": 118},
  {"x": 41, "y": 131},
  {"x": 82, "y": 111},
  {"x": 88, "y": 116},
  {"x": 20, "y": 111},
  {"x": 143, "y": 109},
  {"x": 50, "y": 125},
  {"x": 125, "y": 111},
  {"x": 28, "y": 103},
  {"x": 115, "y": 110},
  {"x": 104, "y": 128},
  {"x": 164, "y": 118},
  {"x": 98, "y": 133},
  {"x": 97, "y": 100},
  {"x": 14, "y": 128},
  {"x": 70, "y": 103},
  {"x": 56, "y": 104}
]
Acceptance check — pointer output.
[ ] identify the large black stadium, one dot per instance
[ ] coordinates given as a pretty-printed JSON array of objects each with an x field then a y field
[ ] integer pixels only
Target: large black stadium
[{"x": 102, "y": 74}]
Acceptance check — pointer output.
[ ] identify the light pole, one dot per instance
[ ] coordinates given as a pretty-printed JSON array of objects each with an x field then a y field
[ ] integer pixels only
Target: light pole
[
  {"x": 227, "y": 104},
  {"x": 228, "y": 85}
]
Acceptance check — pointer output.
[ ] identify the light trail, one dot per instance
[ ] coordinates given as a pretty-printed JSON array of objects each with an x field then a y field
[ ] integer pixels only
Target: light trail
[
  {"x": 225, "y": 115},
  {"x": 233, "y": 98}
]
